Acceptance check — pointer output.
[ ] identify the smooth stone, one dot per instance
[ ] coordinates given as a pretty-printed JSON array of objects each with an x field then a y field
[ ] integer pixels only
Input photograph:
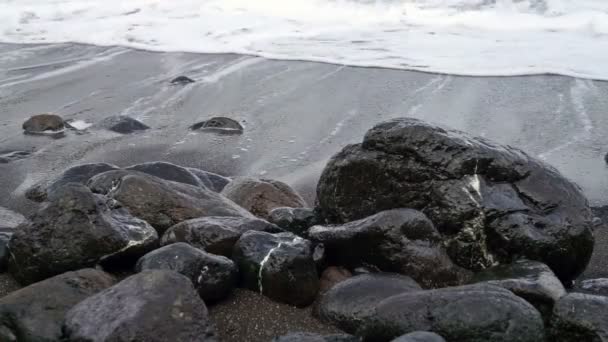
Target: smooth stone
[
  {"x": 332, "y": 276},
  {"x": 215, "y": 234},
  {"x": 36, "y": 312},
  {"x": 295, "y": 220},
  {"x": 9, "y": 220},
  {"x": 220, "y": 125},
  {"x": 43, "y": 123},
  {"x": 213, "y": 276},
  {"x": 580, "y": 317},
  {"x": 167, "y": 171},
  {"x": 310, "y": 337},
  {"x": 121, "y": 124},
  {"x": 211, "y": 180},
  {"x": 151, "y": 306},
  {"x": 419, "y": 336},
  {"x": 182, "y": 80}
]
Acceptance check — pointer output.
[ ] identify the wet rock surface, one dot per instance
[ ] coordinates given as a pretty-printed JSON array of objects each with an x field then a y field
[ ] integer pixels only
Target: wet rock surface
[
  {"x": 36, "y": 312},
  {"x": 215, "y": 234},
  {"x": 280, "y": 266},
  {"x": 211, "y": 180},
  {"x": 121, "y": 124},
  {"x": 9, "y": 220},
  {"x": 44, "y": 124},
  {"x": 213, "y": 276},
  {"x": 162, "y": 306},
  {"x": 261, "y": 196},
  {"x": 162, "y": 203},
  {"x": 76, "y": 229},
  {"x": 491, "y": 202},
  {"x": 492, "y": 314},
  {"x": 181, "y": 80},
  {"x": 597, "y": 286},
  {"x": 399, "y": 240},
  {"x": 295, "y": 220},
  {"x": 580, "y": 317},
  {"x": 309, "y": 337},
  {"x": 167, "y": 171},
  {"x": 419, "y": 336},
  {"x": 349, "y": 302},
  {"x": 220, "y": 125}
]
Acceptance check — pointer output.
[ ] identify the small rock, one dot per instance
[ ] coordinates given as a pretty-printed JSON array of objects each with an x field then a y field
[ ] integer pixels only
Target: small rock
[
  {"x": 400, "y": 240},
  {"x": 295, "y": 220},
  {"x": 121, "y": 124},
  {"x": 419, "y": 336},
  {"x": 215, "y": 234},
  {"x": 531, "y": 280},
  {"x": 213, "y": 276},
  {"x": 480, "y": 312},
  {"x": 76, "y": 229},
  {"x": 182, "y": 80},
  {"x": 280, "y": 266},
  {"x": 11, "y": 156},
  {"x": 349, "y": 302},
  {"x": 44, "y": 124},
  {"x": 597, "y": 286},
  {"x": 211, "y": 180},
  {"x": 261, "y": 196},
  {"x": 333, "y": 275},
  {"x": 579, "y": 317},
  {"x": 36, "y": 312},
  {"x": 167, "y": 171},
  {"x": 151, "y": 306},
  {"x": 219, "y": 125},
  {"x": 310, "y": 337},
  {"x": 9, "y": 220}
]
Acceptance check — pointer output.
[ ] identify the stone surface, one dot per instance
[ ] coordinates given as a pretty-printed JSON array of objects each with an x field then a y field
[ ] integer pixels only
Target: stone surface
[
  {"x": 121, "y": 124},
  {"x": 154, "y": 305},
  {"x": 76, "y": 229},
  {"x": 213, "y": 276},
  {"x": 332, "y": 276},
  {"x": 36, "y": 312},
  {"x": 43, "y": 123},
  {"x": 280, "y": 266},
  {"x": 419, "y": 336},
  {"x": 310, "y": 337},
  {"x": 493, "y": 203},
  {"x": 215, "y": 234},
  {"x": 295, "y": 220},
  {"x": 349, "y": 302},
  {"x": 163, "y": 203},
  {"x": 221, "y": 125},
  {"x": 580, "y": 317},
  {"x": 182, "y": 80},
  {"x": 399, "y": 240},
  {"x": 11, "y": 156},
  {"x": 211, "y": 180},
  {"x": 261, "y": 196},
  {"x": 531, "y": 280},
  {"x": 472, "y": 313},
  {"x": 167, "y": 171},
  {"x": 9, "y": 220},
  {"x": 597, "y": 286}
]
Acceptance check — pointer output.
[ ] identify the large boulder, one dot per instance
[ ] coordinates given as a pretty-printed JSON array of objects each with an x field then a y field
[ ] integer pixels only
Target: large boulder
[
  {"x": 280, "y": 266},
  {"x": 471, "y": 313},
  {"x": 350, "y": 301},
  {"x": 310, "y": 337},
  {"x": 76, "y": 229},
  {"x": 580, "y": 317},
  {"x": 36, "y": 312},
  {"x": 211, "y": 180},
  {"x": 154, "y": 305},
  {"x": 260, "y": 196},
  {"x": 213, "y": 276},
  {"x": 167, "y": 171},
  {"x": 295, "y": 220},
  {"x": 160, "y": 202},
  {"x": 9, "y": 220},
  {"x": 121, "y": 124},
  {"x": 531, "y": 280},
  {"x": 215, "y": 234},
  {"x": 399, "y": 240},
  {"x": 493, "y": 203}
]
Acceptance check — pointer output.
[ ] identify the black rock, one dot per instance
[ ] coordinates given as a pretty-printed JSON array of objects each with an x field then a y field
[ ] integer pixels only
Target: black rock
[
  {"x": 280, "y": 266},
  {"x": 76, "y": 229},
  {"x": 211, "y": 180},
  {"x": 36, "y": 312},
  {"x": 9, "y": 220},
  {"x": 419, "y": 336},
  {"x": 213, "y": 276},
  {"x": 580, "y": 317},
  {"x": 310, "y": 337},
  {"x": 44, "y": 124},
  {"x": 332, "y": 276},
  {"x": 350, "y": 301},
  {"x": 163, "y": 203},
  {"x": 597, "y": 286},
  {"x": 182, "y": 80},
  {"x": 121, "y": 124},
  {"x": 215, "y": 234},
  {"x": 219, "y": 125},
  {"x": 480, "y": 313},
  {"x": 492, "y": 203},
  {"x": 261, "y": 196},
  {"x": 151, "y": 306},
  {"x": 399, "y": 240},
  {"x": 295, "y": 220},
  {"x": 77, "y": 174},
  {"x": 531, "y": 280},
  {"x": 167, "y": 171},
  {"x": 10, "y": 156}
]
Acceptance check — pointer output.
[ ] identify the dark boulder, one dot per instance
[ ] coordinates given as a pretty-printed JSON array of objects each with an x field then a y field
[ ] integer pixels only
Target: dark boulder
[
  {"x": 472, "y": 313},
  {"x": 331, "y": 276},
  {"x": 531, "y": 280},
  {"x": 399, "y": 240},
  {"x": 9, "y": 220},
  {"x": 419, "y": 336},
  {"x": 349, "y": 302},
  {"x": 162, "y": 203},
  {"x": 580, "y": 317},
  {"x": 181, "y": 80},
  {"x": 493, "y": 203},
  {"x": 597, "y": 286},
  {"x": 295, "y": 220},
  {"x": 261, "y": 196},
  {"x": 76, "y": 229},
  {"x": 77, "y": 174},
  {"x": 151, "y": 306},
  {"x": 213, "y": 276},
  {"x": 220, "y": 125},
  {"x": 310, "y": 337},
  {"x": 211, "y": 180},
  {"x": 279, "y": 266},
  {"x": 44, "y": 124},
  {"x": 215, "y": 234},
  {"x": 36, "y": 312},
  {"x": 121, "y": 124},
  {"x": 167, "y": 171}
]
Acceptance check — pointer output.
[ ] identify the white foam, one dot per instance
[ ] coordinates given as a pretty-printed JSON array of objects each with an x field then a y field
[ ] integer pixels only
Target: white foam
[
  {"x": 80, "y": 124},
  {"x": 468, "y": 37}
]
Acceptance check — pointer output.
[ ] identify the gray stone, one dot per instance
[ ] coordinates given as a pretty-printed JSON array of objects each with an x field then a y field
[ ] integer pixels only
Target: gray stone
[
  {"x": 580, "y": 317},
  {"x": 220, "y": 125},
  {"x": 419, "y": 336},
  {"x": 295, "y": 220},
  {"x": 121, "y": 124}
]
